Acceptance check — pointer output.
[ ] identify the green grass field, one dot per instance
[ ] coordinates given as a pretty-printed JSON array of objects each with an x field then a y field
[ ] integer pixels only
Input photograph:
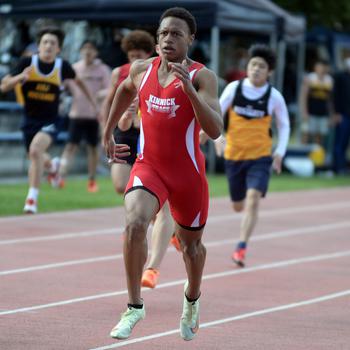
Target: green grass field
[{"x": 74, "y": 196}]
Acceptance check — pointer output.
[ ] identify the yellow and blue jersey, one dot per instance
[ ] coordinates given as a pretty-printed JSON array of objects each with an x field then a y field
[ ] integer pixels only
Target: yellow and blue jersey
[{"x": 248, "y": 131}]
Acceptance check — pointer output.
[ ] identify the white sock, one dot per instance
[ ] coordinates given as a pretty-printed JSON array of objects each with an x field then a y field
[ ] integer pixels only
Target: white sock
[
  {"x": 55, "y": 162},
  {"x": 33, "y": 193}
]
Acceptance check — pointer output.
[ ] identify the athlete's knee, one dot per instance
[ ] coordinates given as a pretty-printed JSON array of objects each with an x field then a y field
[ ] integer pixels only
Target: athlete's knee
[
  {"x": 119, "y": 189},
  {"x": 136, "y": 229},
  {"x": 253, "y": 206},
  {"x": 193, "y": 249},
  {"x": 119, "y": 184},
  {"x": 35, "y": 152},
  {"x": 238, "y": 206},
  {"x": 253, "y": 199}
]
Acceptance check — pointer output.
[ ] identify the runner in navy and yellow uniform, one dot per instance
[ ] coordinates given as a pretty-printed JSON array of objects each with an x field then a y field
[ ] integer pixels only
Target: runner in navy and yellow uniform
[
  {"x": 247, "y": 145},
  {"x": 41, "y": 77}
]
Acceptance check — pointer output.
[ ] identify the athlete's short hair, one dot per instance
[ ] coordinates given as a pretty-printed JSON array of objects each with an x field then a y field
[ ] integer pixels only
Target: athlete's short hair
[
  {"x": 138, "y": 40},
  {"x": 265, "y": 52},
  {"x": 182, "y": 13},
  {"x": 54, "y": 31}
]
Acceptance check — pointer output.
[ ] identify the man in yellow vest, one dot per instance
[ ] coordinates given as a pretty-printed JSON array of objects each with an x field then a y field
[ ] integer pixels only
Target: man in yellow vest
[{"x": 249, "y": 105}]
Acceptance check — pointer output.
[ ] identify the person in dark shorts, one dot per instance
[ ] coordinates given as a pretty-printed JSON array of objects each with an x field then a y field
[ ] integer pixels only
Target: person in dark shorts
[
  {"x": 83, "y": 118},
  {"x": 247, "y": 144},
  {"x": 41, "y": 77}
]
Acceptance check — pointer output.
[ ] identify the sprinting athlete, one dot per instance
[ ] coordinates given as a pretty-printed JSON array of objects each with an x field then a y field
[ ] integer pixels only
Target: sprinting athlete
[
  {"x": 177, "y": 97},
  {"x": 247, "y": 145},
  {"x": 138, "y": 44},
  {"x": 41, "y": 77}
]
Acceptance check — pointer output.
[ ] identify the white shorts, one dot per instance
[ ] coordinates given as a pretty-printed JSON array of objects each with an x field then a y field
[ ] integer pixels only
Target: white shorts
[{"x": 318, "y": 125}]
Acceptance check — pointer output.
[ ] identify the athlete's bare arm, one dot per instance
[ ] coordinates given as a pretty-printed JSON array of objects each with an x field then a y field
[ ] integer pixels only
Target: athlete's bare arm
[
  {"x": 9, "y": 81},
  {"x": 127, "y": 119},
  {"x": 130, "y": 117},
  {"x": 106, "y": 105},
  {"x": 207, "y": 107},
  {"x": 203, "y": 94}
]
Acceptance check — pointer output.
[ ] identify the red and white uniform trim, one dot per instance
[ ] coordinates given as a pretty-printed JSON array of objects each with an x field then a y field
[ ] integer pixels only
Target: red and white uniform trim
[{"x": 171, "y": 165}]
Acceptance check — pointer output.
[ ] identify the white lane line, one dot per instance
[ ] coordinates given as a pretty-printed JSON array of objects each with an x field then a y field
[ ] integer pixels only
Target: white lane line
[
  {"x": 223, "y": 199},
  {"x": 279, "y": 234},
  {"x": 311, "y": 230},
  {"x": 284, "y": 211},
  {"x": 279, "y": 308},
  {"x": 109, "y": 231},
  {"x": 278, "y": 264},
  {"x": 59, "y": 214},
  {"x": 211, "y": 220},
  {"x": 62, "y": 264}
]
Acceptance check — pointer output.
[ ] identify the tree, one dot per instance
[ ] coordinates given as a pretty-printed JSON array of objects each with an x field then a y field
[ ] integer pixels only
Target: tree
[{"x": 333, "y": 14}]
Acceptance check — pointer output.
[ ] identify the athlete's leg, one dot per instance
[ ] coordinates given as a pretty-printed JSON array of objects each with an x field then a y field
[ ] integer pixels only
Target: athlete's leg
[
  {"x": 92, "y": 132},
  {"x": 76, "y": 132},
  {"x": 66, "y": 158},
  {"x": 141, "y": 207},
  {"x": 120, "y": 174},
  {"x": 317, "y": 136},
  {"x": 145, "y": 194},
  {"x": 250, "y": 206},
  {"x": 305, "y": 131},
  {"x": 194, "y": 253},
  {"x": 250, "y": 215},
  {"x": 236, "y": 177},
  {"x": 238, "y": 206},
  {"x": 254, "y": 180},
  {"x": 92, "y": 168},
  {"x": 313, "y": 129},
  {"x": 92, "y": 161},
  {"x": 257, "y": 180},
  {"x": 47, "y": 162},
  {"x": 162, "y": 231},
  {"x": 37, "y": 152}
]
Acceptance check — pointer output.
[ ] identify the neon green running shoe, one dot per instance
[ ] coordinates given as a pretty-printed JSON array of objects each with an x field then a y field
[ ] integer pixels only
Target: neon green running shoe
[
  {"x": 127, "y": 322},
  {"x": 189, "y": 323}
]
